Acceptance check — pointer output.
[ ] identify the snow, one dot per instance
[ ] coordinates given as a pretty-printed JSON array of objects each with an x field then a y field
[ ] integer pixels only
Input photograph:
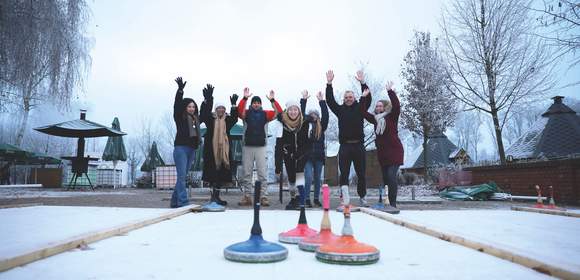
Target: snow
[
  {"x": 549, "y": 238},
  {"x": 191, "y": 247},
  {"x": 28, "y": 228},
  {"x": 11, "y": 193},
  {"x": 524, "y": 146}
]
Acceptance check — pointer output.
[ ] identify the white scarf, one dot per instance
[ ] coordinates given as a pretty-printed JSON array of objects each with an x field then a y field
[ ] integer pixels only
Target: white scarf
[{"x": 381, "y": 123}]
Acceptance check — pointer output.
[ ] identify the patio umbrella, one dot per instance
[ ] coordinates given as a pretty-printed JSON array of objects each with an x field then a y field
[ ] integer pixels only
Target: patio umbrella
[
  {"x": 115, "y": 149},
  {"x": 153, "y": 159},
  {"x": 11, "y": 152}
]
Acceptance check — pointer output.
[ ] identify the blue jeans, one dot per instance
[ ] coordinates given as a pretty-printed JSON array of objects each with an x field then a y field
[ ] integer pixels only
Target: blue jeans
[
  {"x": 183, "y": 157},
  {"x": 313, "y": 170}
]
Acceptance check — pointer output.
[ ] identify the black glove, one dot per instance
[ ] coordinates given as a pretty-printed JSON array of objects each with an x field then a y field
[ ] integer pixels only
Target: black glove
[
  {"x": 180, "y": 83},
  {"x": 234, "y": 99},
  {"x": 208, "y": 92}
]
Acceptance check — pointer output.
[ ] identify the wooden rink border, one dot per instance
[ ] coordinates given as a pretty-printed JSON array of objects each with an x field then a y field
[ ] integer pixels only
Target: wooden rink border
[
  {"x": 546, "y": 211},
  {"x": 20, "y": 205},
  {"x": 532, "y": 263},
  {"x": 87, "y": 238}
]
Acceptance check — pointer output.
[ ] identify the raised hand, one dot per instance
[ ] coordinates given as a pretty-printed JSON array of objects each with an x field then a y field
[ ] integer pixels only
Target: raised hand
[
  {"x": 360, "y": 76},
  {"x": 366, "y": 92},
  {"x": 271, "y": 95},
  {"x": 233, "y": 99},
  {"x": 329, "y": 77},
  {"x": 208, "y": 92},
  {"x": 389, "y": 86},
  {"x": 305, "y": 94},
  {"x": 180, "y": 83},
  {"x": 320, "y": 96},
  {"x": 247, "y": 93}
]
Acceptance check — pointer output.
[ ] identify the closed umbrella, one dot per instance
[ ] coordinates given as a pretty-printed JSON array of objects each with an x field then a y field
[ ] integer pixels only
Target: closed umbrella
[
  {"x": 115, "y": 149},
  {"x": 153, "y": 159}
]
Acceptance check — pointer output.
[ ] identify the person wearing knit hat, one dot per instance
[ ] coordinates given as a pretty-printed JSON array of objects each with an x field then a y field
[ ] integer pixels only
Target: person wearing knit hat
[
  {"x": 254, "y": 152},
  {"x": 314, "y": 147},
  {"x": 217, "y": 167},
  {"x": 292, "y": 141},
  {"x": 187, "y": 140}
]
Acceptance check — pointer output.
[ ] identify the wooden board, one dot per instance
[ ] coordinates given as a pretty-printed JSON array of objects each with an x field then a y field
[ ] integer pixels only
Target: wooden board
[
  {"x": 85, "y": 239},
  {"x": 546, "y": 211},
  {"x": 532, "y": 263},
  {"x": 20, "y": 205}
]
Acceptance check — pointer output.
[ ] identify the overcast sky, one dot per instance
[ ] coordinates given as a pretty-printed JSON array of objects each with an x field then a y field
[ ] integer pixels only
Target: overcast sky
[{"x": 141, "y": 46}]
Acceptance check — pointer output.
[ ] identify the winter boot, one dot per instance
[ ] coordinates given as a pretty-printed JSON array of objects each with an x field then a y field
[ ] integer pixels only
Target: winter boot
[
  {"x": 246, "y": 201},
  {"x": 308, "y": 204},
  {"x": 317, "y": 203},
  {"x": 264, "y": 201},
  {"x": 293, "y": 204},
  {"x": 217, "y": 198}
]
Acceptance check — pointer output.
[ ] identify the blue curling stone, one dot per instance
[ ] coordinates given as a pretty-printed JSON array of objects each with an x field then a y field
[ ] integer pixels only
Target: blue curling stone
[
  {"x": 213, "y": 207},
  {"x": 256, "y": 250}
]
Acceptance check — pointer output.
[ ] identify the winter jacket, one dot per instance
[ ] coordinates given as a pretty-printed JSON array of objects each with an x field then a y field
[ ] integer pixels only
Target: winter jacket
[
  {"x": 255, "y": 122},
  {"x": 293, "y": 143},
  {"x": 182, "y": 133},
  {"x": 210, "y": 172},
  {"x": 389, "y": 147},
  {"x": 314, "y": 148},
  {"x": 350, "y": 118}
]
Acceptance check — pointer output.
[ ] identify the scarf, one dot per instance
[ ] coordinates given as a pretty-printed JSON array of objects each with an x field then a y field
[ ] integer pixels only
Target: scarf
[
  {"x": 192, "y": 124},
  {"x": 292, "y": 125},
  {"x": 315, "y": 130},
  {"x": 220, "y": 143},
  {"x": 381, "y": 123}
]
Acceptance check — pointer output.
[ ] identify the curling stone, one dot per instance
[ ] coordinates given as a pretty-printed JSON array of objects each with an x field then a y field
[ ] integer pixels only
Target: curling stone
[
  {"x": 346, "y": 249},
  {"x": 325, "y": 235},
  {"x": 383, "y": 206},
  {"x": 302, "y": 230},
  {"x": 256, "y": 249},
  {"x": 212, "y": 205}
]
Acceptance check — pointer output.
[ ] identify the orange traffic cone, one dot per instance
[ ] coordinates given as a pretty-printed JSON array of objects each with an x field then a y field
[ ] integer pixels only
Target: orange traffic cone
[{"x": 539, "y": 201}]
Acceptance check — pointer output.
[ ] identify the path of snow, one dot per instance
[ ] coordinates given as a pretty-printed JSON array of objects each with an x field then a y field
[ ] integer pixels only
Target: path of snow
[
  {"x": 191, "y": 247},
  {"x": 549, "y": 238},
  {"x": 12, "y": 193},
  {"x": 26, "y": 229}
]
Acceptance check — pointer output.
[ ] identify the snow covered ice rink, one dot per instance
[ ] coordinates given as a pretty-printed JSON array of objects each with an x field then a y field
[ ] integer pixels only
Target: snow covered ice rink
[{"x": 191, "y": 245}]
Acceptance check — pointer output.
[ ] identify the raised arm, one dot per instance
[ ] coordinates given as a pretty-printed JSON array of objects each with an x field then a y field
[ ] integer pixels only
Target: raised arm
[
  {"x": 330, "y": 93},
  {"x": 207, "y": 104},
  {"x": 271, "y": 114},
  {"x": 360, "y": 77},
  {"x": 365, "y": 101},
  {"x": 178, "y": 97},
  {"x": 232, "y": 119},
  {"x": 242, "y": 104},
  {"x": 303, "y": 101},
  {"x": 324, "y": 112},
  {"x": 396, "y": 110}
]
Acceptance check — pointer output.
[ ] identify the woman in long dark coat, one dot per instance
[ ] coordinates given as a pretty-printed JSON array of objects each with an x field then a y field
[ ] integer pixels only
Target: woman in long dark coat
[
  {"x": 217, "y": 152},
  {"x": 389, "y": 148}
]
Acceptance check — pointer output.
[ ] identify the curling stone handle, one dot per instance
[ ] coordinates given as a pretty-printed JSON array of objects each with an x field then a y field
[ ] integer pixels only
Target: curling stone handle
[
  {"x": 345, "y": 196},
  {"x": 325, "y": 197},
  {"x": 256, "y": 228},
  {"x": 302, "y": 195}
]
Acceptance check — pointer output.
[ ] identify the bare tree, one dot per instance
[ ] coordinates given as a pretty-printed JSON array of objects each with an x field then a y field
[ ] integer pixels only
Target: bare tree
[
  {"x": 44, "y": 54},
  {"x": 494, "y": 60},
  {"x": 521, "y": 119},
  {"x": 148, "y": 134},
  {"x": 468, "y": 134},
  {"x": 560, "y": 22},
  {"x": 134, "y": 158},
  {"x": 428, "y": 108}
]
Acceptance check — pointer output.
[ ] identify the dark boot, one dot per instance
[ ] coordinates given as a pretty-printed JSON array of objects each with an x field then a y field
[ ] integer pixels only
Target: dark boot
[
  {"x": 293, "y": 204},
  {"x": 308, "y": 204},
  {"x": 317, "y": 203},
  {"x": 217, "y": 198}
]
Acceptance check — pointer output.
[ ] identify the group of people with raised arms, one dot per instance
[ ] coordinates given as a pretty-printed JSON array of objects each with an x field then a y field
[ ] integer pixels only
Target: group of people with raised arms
[{"x": 300, "y": 147}]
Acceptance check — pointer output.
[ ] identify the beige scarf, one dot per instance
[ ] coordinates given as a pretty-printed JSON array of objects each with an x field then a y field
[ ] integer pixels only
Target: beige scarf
[
  {"x": 220, "y": 143},
  {"x": 292, "y": 125}
]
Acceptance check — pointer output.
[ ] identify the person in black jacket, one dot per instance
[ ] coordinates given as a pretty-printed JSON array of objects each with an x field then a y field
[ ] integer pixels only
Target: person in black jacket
[
  {"x": 217, "y": 169},
  {"x": 187, "y": 139},
  {"x": 350, "y": 134},
  {"x": 314, "y": 146},
  {"x": 294, "y": 135}
]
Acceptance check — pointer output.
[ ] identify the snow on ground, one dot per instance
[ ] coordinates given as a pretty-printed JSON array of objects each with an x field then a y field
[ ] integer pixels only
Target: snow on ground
[
  {"x": 191, "y": 247},
  {"x": 35, "y": 193},
  {"x": 549, "y": 238},
  {"x": 28, "y": 228}
]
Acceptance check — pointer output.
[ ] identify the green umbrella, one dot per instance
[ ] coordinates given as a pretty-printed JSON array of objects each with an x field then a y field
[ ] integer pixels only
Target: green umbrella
[
  {"x": 11, "y": 152},
  {"x": 115, "y": 148},
  {"x": 153, "y": 159}
]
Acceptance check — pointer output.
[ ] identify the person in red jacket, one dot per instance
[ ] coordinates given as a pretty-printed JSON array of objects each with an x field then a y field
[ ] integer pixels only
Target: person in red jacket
[
  {"x": 389, "y": 148},
  {"x": 255, "y": 121}
]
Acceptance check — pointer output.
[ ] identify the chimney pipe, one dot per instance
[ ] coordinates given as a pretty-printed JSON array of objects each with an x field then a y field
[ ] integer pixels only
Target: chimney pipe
[{"x": 83, "y": 114}]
